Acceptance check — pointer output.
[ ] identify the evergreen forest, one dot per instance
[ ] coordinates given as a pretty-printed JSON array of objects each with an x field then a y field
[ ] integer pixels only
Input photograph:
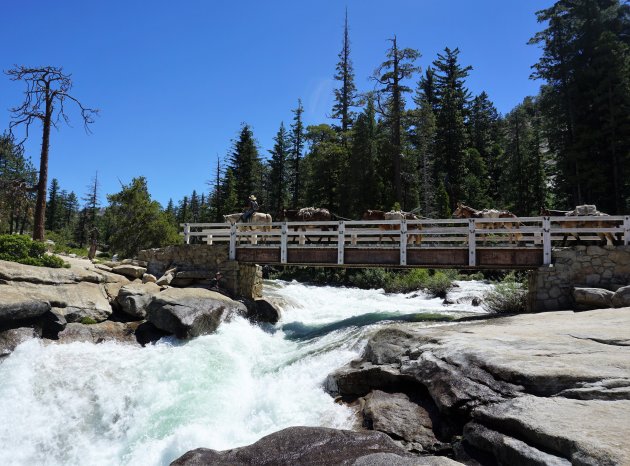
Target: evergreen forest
[{"x": 414, "y": 139}]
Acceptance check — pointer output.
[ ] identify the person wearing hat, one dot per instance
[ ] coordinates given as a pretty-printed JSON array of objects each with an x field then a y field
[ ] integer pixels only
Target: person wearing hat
[
  {"x": 251, "y": 208},
  {"x": 216, "y": 281}
]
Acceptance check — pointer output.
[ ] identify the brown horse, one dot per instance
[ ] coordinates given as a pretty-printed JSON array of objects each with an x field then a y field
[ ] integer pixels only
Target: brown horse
[
  {"x": 392, "y": 215},
  {"x": 581, "y": 211},
  {"x": 464, "y": 211},
  {"x": 309, "y": 214}
]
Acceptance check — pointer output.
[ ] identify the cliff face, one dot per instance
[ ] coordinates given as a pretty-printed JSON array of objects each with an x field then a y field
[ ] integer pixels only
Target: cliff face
[{"x": 551, "y": 388}]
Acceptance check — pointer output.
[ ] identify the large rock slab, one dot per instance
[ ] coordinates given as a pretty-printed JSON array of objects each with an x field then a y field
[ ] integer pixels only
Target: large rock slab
[
  {"x": 17, "y": 306},
  {"x": 581, "y": 359},
  {"x": 75, "y": 300},
  {"x": 312, "y": 446},
  {"x": 12, "y": 271},
  {"x": 583, "y": 432},
  {"x": 190, "y": 312},
  {"x": 135, "y": 297}
]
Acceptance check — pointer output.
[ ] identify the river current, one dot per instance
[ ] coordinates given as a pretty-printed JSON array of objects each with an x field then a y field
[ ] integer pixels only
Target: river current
[{"x": 115, "y": 404}]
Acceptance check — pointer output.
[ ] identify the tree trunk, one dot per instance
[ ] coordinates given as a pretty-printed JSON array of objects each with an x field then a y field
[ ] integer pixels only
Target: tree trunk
[{"x": 40, "y": 205}]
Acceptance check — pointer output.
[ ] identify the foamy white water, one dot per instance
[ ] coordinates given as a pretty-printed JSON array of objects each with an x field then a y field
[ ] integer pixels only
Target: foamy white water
[{"x": 112, "y": 404}]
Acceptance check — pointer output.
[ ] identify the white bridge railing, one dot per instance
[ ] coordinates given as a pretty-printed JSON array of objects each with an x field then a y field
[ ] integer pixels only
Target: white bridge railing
[{"x": 522, "y": 232}]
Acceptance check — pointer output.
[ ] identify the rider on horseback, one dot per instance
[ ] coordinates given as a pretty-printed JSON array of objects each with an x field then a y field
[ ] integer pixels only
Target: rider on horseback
[{"x": 251, "y": 208}]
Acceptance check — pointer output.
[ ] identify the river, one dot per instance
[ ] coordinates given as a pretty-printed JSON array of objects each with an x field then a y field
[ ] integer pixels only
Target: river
[{"x": 113, "y": 404}]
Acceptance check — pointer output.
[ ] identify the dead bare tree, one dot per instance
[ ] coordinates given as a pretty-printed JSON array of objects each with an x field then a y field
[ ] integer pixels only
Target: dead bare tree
[{"x": 47, "y": 91}]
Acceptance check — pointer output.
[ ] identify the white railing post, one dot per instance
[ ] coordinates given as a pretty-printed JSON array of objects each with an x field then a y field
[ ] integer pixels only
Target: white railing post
[
  {"x": 403, "y": 242},
  {"x": 546, "y": 234},
  {"x": 340, "y": 242},
  {"x": 626, "y": 230},
  {"x": 283, "y": 243},
  {"x": 186, "y": 233},
  {"x": 233, "y": 242},
  {"x": 472, "y": 247}
]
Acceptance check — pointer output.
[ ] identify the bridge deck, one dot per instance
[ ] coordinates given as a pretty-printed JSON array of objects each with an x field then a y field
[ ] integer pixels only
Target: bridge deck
[{"x": 437, "y": 243}]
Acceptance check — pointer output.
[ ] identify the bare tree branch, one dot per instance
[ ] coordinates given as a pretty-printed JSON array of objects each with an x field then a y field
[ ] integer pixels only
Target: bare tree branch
[{"x": 47, "y": 89}]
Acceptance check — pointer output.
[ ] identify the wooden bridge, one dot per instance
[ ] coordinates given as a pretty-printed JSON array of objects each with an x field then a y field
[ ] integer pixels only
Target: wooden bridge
[{"x": 524, "y": 242}]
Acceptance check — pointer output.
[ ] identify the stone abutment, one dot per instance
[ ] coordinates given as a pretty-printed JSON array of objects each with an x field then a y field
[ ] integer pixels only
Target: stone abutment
[
  {"x": 200, "y": 262},
  {"x": 551, "y": 287}
]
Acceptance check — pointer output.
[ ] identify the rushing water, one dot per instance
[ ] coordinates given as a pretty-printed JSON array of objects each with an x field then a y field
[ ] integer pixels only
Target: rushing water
[{"x": 112, "y": 404}]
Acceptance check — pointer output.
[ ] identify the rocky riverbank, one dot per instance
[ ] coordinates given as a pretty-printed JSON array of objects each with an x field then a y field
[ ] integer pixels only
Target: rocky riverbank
[
  {"x": 121, "y": 302},
  {"x": 550, "y": 388}
]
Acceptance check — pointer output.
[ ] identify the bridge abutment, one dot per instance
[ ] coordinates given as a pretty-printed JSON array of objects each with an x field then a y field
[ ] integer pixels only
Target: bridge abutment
[
  {"x": 551, "y": 287},
  {"x": 202, "y": 261}
]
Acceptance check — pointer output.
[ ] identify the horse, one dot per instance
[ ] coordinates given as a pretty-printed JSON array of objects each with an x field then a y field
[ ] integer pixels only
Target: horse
[
  {"x": 257, "y": 221},
  {"x": 464, "y": 211},
  {"x": 308, "y": 214},
  {"x": 392, "y": 215},
  {"x": 581, "y": 211}
]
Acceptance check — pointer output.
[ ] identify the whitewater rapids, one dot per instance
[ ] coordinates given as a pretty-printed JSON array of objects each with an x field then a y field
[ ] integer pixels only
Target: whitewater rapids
[{"x": 113, "y": 404}]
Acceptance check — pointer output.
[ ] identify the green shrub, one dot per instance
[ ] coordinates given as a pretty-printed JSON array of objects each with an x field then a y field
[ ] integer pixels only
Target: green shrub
[
  {"x": 509, "y": 296},
  {"x": 88, "y": 321},
  {"x": 53, "y": 261},
  {"x": 13, "y": 247},
  {"x": 439, "y": 283},
  {"x": 407, "y": 281},
  {"x": 22, "y": 249},
  {"x": 370, "y": 278}
]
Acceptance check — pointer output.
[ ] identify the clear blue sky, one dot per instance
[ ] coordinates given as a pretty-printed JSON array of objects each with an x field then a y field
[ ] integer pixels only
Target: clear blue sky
[{"x": 174, "y": 80}]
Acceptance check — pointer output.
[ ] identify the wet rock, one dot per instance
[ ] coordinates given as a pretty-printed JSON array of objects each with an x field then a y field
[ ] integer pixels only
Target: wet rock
[
  {"x": 10, "y": 339},
  {"x": 190, "y": 312},
  {"x": 305, "y": 446},
  {"x": 148, "y": 333},
  {"x": 265, "y": 311},
  {"x": 476, "y": 301}
]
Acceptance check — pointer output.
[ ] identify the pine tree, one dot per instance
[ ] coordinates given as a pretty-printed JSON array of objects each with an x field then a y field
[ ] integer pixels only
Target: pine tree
[
  {"x": 195, "y": 207},
  {"x": 183, "y": 211},
  {"x": 484, "y": 126},
  {"x": 451, "y": 103},
  {"x": 586, "y": 101},
  {"x": 17, "y": 182},
  {"x": 137, "y": 222},
  {"x": 278, "y": 176},
  {"x": 422, "y": 139},
  {"x": 391, "y": 76},
  {"x": 326, "y": 162},
  {"x": 365, "y": 184},
  {"x": 53, "y": 207},
  {"x": 297, "y": 146},
  {"x": 246, "y": 165},
  {"x": 345, "y": 95}
]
